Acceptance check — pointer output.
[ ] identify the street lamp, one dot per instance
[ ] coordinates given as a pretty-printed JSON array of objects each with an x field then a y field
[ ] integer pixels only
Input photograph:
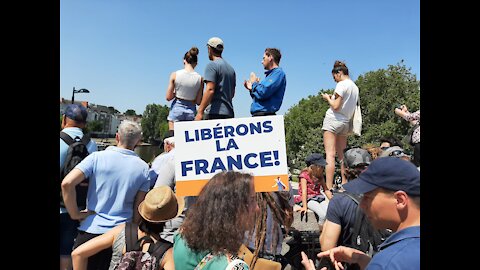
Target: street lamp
[{"x": 83, "y": 90}]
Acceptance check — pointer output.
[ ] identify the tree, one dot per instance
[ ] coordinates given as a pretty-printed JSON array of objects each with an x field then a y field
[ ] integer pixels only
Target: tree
[
  {"x": 95, "y": 126},
  {"x": 113, "y": 110},
  {"x": 380, "y": 91},
  {"x": 130, "y": 112},
  {"x": 303, "y": 123},
  {"x": 154, "y": 122}
]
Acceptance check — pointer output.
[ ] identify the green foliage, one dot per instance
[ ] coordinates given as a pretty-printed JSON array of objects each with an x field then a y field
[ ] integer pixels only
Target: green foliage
[
  {"x": 130, "y": 112},
  {"x": 113, "y": 110},
  {"x": 154, "y": 122},
  {"x": 380, "y": 91},
  {"x": 303, "y": 123},
  {"x": 95, "y": 125}
]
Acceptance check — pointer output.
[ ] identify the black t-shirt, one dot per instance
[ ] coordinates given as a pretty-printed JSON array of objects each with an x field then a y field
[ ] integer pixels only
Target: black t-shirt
[{"x": 342, "y": 211}]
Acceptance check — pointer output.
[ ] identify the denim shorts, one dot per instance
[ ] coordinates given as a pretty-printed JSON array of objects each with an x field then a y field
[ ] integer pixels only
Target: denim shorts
[
  {"x": 182, "y": 110},
  {"x": 68, "y": 232}
]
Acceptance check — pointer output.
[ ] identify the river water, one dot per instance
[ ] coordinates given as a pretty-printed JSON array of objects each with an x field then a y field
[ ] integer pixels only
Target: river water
[{"x": 148, "y": 152}]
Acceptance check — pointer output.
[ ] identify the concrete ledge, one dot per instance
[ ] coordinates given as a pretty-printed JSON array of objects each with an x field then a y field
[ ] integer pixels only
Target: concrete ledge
[{"x": 308, "y": 223}]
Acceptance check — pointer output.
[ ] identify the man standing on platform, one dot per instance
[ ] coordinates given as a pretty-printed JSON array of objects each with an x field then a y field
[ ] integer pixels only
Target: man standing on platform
[{"x": 267, "y": 95}]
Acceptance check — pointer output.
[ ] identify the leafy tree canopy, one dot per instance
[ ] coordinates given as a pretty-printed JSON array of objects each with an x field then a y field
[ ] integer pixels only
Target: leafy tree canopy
[
  {"x": 95, "y": 126},
  {"x": 130, "y": 112},
  {"x": 154, "y": 122}
]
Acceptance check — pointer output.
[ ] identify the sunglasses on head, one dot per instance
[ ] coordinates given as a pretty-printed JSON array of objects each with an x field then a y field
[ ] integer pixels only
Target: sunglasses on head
[{"x": 396, "y": 153}]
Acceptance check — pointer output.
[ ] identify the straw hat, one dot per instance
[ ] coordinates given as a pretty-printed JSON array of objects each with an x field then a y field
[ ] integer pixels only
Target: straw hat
[{"x": 161, "y": 204}]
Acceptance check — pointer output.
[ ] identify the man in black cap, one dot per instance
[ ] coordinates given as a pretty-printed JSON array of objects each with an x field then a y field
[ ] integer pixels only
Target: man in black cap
[
  {"x": 74, "y": 119},
  {"x": 391, "y": 200}
]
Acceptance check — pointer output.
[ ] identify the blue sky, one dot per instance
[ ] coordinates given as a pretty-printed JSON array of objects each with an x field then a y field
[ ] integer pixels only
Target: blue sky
[{"x": 123, "y": 51}]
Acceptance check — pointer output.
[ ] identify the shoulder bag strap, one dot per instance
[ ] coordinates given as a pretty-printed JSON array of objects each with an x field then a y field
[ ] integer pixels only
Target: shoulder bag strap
[
  {"x": 131, "y": 236},
  {"x": 351, "y": 196},
  {"x": 159, "y": 248},
  {"x": 204, "y": 261},
  {"x": 66, "y": 138},
  {"x": 86, "y": 139}
]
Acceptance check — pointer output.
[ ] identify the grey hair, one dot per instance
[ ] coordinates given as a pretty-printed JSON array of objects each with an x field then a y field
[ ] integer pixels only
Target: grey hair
[{"x": 129, "y": 133}]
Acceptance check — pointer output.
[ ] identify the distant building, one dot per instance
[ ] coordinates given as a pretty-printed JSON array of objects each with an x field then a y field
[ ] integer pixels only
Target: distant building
[{"x": 110, "y": 117}]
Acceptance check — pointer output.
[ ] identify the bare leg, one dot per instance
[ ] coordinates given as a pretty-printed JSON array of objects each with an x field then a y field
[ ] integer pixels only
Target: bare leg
[
  {"x": 340, "y": 145},
  {"x": 329, "y": 144},
  {"x": 170, "y": 125}
]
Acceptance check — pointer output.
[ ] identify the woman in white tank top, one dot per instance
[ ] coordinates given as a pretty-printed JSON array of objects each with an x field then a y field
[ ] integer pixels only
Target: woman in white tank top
[
  {"x": 185, "y": 87},
  {"x": 337, "y": 122}
]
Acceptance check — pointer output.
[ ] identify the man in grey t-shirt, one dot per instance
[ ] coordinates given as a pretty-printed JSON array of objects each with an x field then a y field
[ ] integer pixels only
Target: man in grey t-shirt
[{"x": 220, "y": 85}]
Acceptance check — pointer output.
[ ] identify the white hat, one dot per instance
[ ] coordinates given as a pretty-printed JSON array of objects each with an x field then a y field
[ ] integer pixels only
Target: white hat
[
  {"x": 169, "y": 140},
  {"x": 215, "y": 43}
]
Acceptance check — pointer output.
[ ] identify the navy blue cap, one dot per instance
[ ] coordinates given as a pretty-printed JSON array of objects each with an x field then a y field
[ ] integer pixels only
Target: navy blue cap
[
  {"x": 76, "y": 112},
  {"x": 315, "y": 159},
  {"x": 389, "y": 173}
]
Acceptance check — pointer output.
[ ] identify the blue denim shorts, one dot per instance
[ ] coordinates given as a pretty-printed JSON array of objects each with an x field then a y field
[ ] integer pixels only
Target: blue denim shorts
[
  {"x": 182, "y": 110},
  {"x": 68, "y": 232}
]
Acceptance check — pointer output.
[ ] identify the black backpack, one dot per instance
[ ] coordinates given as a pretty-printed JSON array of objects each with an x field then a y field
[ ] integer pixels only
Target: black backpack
[
  {"x": 136, "y": 259},
  {"x": 77, "y": 151},
  {"x": 364, "y": 236}
]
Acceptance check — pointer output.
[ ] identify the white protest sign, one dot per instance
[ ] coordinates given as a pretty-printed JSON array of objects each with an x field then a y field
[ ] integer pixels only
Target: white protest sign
[{"x": 254, "y": 144}]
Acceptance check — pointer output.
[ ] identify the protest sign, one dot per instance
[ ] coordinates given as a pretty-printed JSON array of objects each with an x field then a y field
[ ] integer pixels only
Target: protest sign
[{"x": 254, "y": 144}]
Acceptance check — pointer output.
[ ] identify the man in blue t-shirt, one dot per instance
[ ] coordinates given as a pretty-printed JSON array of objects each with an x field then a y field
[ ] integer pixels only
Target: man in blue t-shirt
[
  {"x": 267, "y": 95},
  {"x": 391, "y": 200},
  {"x": 220, "y": 85},
  {"x": 118, "y": 183}
]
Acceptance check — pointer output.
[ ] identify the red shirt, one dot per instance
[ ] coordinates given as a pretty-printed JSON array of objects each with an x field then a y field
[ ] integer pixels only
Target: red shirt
[{"x": 313, "y": 187}]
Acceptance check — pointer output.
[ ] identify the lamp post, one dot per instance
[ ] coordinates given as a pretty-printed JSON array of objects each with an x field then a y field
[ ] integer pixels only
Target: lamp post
[{"x": 83, "y": 90}]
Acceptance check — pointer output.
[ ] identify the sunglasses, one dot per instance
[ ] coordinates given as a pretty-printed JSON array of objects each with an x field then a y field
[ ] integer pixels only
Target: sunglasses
[
  {"x": 384, "y": 148},
  {"x": 396, "y": 153}
]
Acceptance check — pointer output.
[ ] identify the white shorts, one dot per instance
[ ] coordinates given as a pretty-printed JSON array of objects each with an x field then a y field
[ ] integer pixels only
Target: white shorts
[{"x": 337, "y": 127}]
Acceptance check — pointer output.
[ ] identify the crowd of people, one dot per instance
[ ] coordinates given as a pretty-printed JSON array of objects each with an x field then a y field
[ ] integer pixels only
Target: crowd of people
[{"x": 125, "y": 194}]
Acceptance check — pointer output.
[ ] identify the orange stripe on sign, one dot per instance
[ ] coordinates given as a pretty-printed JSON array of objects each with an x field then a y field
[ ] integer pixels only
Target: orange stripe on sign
[
  {"x": 262, "y": 184},
  {"x": 190, "y": 187}
]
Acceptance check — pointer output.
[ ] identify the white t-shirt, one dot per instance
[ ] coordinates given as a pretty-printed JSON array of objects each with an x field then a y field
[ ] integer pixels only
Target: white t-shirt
[
  {"x": 349, "y": 93},
  {"x": 187, "y": 84}
]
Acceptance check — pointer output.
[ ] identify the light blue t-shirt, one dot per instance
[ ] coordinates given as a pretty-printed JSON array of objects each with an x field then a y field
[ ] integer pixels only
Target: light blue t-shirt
[
  {"x": 116, "y": 175},
  {"x": 223, "y": 75}
]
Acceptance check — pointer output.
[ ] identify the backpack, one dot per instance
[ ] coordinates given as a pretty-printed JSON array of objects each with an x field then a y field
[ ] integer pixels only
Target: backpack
[
  {"x": 77, "y": 151},
  {"x": 136, "y": 259},
  {"x": 364, "y": 236}
]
